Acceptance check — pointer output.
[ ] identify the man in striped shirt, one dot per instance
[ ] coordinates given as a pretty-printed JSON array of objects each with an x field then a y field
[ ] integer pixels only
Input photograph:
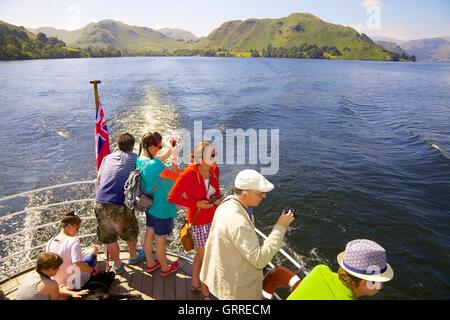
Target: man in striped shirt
[{"x": 114, "y": 219}]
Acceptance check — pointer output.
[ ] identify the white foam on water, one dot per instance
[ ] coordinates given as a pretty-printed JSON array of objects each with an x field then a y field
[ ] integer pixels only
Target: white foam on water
[
  {"x": 441, "y": 151},
  {"x": 156, "y": 114},
  {"x": 65, "y": 134}
]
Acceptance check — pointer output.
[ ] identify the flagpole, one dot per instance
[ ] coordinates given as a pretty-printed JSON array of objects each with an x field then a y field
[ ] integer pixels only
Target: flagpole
[{"x": 96, "y": 83}]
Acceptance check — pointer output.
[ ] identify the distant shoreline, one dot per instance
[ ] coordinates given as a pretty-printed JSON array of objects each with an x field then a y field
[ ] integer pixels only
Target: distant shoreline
[{"x": 230, "y": 57}]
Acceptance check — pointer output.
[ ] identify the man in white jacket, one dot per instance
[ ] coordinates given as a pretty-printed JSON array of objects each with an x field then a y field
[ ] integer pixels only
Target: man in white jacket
[{"x": 234, "y": 258}]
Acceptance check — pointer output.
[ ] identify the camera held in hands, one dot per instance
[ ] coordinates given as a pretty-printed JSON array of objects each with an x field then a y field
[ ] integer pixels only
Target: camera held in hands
[
  {"x": 214, "y": 199},
  {"x": 294, "y": 211}
]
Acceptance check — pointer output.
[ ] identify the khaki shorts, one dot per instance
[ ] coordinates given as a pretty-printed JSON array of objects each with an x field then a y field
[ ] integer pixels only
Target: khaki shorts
[{"x": 114, "y": 221}]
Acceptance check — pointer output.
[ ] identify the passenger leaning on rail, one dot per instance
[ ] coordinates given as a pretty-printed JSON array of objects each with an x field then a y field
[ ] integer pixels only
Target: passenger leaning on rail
[
  {"x": 157, "y": 179},
  {"x": 234, "y": 258},
  {"x": 114, "y": 219},
  {"x": 38, "y": 285},
  {"x": 77, "y": 267},
  {"x": 363, "y": 270},
  {"x": 197, "y": 188}
]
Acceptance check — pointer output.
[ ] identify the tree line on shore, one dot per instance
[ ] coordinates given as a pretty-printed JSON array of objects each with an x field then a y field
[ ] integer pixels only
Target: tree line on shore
[{"x": 17, "y": 44}]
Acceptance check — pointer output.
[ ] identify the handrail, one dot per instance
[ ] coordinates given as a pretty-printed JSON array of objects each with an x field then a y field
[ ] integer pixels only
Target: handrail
[
  {"x": 41, "y": 246},
  {"x": 285, "y": 254},
  {"x": 47, "y": 188},
  {"x": 2, "y": 238},
  {"x": 45, "y": 207}
]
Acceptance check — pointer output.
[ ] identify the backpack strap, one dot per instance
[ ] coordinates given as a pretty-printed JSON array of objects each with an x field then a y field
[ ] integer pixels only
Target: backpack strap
[
  {"x": 157, "y": 185},
  {"x": 160, "y": 179},
  {"x": 145, "y": 164}
]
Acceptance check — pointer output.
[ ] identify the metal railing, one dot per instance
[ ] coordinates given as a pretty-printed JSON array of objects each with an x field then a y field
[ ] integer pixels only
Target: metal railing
[{"x": 5, "y": 237}]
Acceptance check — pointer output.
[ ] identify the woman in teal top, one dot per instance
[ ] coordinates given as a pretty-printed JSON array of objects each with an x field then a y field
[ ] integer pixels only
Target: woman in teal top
[{"x": 157, "y": 179}]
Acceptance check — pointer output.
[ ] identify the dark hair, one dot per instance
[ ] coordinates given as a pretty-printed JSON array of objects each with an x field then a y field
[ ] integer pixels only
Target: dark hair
[
  {"x": 148, "y": 140},
  {"x": 47, "y": 261},
  {"x": 348, "y": 280},
  {"x": 70, "y": 218},
  {"x": 237, "y": 191},
  {"x": 125, "y": 141}
]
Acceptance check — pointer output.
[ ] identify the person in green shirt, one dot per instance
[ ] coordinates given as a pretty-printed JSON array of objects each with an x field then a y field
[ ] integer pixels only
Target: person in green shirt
[{"x": 363, "y": 269}]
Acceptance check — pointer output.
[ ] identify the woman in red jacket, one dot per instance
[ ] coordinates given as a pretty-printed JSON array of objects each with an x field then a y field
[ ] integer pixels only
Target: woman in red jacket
[{"x": 197, "y": 188}]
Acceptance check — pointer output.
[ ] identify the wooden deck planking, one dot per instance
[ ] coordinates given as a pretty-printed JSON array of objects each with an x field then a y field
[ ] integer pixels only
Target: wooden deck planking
[
  {"x": 158, "y": 285},
  {"x": 180, "y": 286},
  {"x": 136, "y": 281},
  {"x": 147, "y": 286}
]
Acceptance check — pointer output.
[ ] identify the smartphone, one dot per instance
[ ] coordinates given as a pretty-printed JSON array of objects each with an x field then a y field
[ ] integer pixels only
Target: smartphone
[{"x": 214, "y": 199}]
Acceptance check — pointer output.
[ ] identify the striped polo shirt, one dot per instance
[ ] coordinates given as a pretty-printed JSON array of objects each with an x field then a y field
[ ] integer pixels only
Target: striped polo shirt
[{"x": 114, "y": 172}]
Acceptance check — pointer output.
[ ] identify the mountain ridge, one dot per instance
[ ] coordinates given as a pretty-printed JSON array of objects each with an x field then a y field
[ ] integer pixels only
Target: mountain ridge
[{"x": 299, "y": 35}]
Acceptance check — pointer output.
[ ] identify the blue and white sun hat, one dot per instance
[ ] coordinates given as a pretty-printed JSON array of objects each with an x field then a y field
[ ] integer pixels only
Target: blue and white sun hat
[{"x": 366, "y": 259}]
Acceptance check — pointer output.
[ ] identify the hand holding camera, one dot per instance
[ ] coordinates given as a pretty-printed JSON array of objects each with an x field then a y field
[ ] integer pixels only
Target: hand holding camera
[
  {"x": 289, "y": 209},
  {"x": 287, "y": 217}
]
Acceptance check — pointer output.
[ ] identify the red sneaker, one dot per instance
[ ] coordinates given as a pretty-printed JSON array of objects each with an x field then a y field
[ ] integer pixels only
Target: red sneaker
[
  {"x": 153, "y": 268},
  {"x": 174, "y": 266}
]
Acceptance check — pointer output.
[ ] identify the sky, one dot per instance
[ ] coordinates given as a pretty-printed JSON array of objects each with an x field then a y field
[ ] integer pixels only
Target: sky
[{"x": 398, "y": 19}]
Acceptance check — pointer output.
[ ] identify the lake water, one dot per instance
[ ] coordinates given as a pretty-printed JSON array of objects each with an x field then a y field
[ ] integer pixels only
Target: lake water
[{"x": 364, "y": 146}]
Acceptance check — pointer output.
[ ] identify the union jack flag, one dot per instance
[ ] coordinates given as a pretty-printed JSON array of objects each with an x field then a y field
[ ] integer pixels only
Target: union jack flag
[{"x": 101, "y": 136}]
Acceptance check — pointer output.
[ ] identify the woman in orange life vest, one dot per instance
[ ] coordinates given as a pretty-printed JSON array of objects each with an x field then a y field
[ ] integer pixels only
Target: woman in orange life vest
[{"x": 197, "y": 188}]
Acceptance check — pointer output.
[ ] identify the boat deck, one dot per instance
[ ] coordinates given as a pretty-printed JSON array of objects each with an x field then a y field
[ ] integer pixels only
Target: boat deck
[{"x": 135, "y": 280}]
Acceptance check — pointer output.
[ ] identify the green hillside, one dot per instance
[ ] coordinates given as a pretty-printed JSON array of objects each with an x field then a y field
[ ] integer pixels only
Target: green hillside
[
  {"x": 178, "y": 34},
  {"x": 390, "y": 46},
  {"x": 115, "y": 34},
  {"x": 17, "y": 43},
  {"x": 300, "y": 35},
  {"x": 64, "y": 35},
  {"x": 296, "y": 30}
]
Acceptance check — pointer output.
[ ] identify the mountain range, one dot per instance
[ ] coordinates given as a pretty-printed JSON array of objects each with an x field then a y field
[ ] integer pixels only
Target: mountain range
[
  {"x": 118, "y": 35},
  {"x": 296, "y": 30},
  {"x": 426, "y": 50},
  {"x": 298, "y": 35}
]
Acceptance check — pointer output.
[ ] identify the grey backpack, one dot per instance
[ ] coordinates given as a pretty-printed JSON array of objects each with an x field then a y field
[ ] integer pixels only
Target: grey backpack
[{"x": 135, "y": 197}]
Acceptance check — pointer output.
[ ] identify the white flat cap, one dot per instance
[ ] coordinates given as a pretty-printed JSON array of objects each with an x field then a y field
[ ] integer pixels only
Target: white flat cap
[{"x": 252, "y": 180}]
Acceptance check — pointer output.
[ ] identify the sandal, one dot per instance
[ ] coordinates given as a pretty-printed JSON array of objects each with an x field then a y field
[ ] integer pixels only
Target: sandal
[
  {"x": 205, "y": 297},
  {"x": 153, "y": 268},
  {"x": 173, "y": 267},
  {"x": 199, "y": 288},
  {"x": 140, "y": 256}
]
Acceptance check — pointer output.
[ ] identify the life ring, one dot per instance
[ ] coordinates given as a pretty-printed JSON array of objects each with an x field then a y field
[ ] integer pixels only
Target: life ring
[{"x": 279, "y": 277}]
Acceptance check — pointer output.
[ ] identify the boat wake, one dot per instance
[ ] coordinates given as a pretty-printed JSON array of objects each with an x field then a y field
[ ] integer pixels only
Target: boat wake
[
  {"x": 429, "y": 141},
  {"x": 157, "y": 114},
  {"x": 444, "y": 153},
  {"x": 65, "y": 134}
]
